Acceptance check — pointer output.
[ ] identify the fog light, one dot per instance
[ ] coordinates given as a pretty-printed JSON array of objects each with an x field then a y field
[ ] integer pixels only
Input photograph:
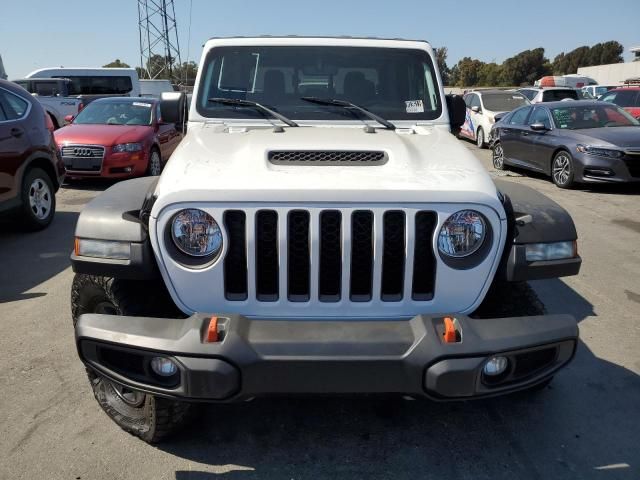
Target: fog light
[
  {"x": 495, "y": 366},
  {"x": 163, "y": 366}
]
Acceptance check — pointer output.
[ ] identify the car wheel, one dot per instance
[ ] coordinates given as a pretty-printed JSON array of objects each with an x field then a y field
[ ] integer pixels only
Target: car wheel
[
  {"x": 498, "y": 156},
  {"x": 145, "y": 416},
  {"x": 562, "y": 170},
  {"x": 480, "y": 138},
  {"x": 38, "y": 199},
  {"x": 155, "y": 163}
]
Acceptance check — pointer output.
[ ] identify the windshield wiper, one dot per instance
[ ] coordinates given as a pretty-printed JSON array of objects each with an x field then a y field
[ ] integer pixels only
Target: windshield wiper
[
  {"x": 344, "y": 104},
  {"x": 248, "y": 103}
]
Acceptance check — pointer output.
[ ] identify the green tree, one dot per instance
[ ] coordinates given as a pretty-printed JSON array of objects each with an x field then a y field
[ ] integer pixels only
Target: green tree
[
  {"x": 489, "y": 75},
  {"x": 525, "y": 67},
  {"x": 584, "y": 56},
  {"x": 441, "y": 59},
  {"x": 468, "y": 72},
  {"x": 117, "y": 63}
]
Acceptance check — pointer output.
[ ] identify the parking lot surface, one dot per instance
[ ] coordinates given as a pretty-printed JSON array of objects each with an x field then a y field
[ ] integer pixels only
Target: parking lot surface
[{"x": 585, "y": 425}]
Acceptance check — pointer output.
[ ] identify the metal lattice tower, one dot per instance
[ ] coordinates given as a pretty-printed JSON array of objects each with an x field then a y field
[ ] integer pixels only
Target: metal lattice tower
[{"x": 159, "y": 47}]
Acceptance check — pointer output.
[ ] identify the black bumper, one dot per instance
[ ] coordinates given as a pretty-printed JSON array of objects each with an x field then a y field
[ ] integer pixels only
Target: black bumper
[{"x": 262, "y": 357}]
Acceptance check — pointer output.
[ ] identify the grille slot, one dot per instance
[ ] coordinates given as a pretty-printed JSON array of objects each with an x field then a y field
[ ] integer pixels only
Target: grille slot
[
  {"x": 393, "y": 256},
  {"x": 330, "y": 256},
  {"x": 424, "y": 262},
  {"x": 82, "y": 158},
  {"x": 361, "y": 255},
  {"x": 298, "y": 260},
  {"x": 235, "y": 262},
  {"x": 327, "y": 157},
  {"x": 267, "y": 256}
]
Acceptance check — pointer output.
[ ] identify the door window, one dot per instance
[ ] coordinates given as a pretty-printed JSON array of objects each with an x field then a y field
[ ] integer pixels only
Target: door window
[
  {"x": 540, "y": 115},
  {"x": 475, "y": 101},
  {"x": 12, "y": 107},
  {"x": 519, "y": 116}
]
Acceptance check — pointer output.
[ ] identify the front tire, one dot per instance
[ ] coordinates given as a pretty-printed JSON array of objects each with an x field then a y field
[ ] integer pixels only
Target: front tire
[
  {"x": 146, "y": 416},
  {"x": 562, "y": 171},
  {"x": 480, "y": 143},
  {"x": 38, "y": 200},
  {"x": 497, "y": 156},
  {"x": 155, "y": 163}
]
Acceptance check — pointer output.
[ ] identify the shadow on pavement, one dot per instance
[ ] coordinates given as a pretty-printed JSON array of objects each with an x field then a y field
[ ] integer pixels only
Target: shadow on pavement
[
  {"x": 30, "y": 258},
  {"x": 584, "y": 425}
]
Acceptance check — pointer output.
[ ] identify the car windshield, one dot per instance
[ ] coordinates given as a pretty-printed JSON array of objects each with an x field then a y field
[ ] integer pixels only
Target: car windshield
[
  {"x": 395, "y": 84},
  {"x": 503, "y": 102},
  {"x": 560, "y": 94},
  {"x": 115, "y": 113},
  {"x": 591, "y": 116}
]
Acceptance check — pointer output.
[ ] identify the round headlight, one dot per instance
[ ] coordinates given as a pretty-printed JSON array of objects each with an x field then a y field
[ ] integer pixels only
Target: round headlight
[
  {"x": 196, "y": 233},
  {"x": 462, "y": 234}
]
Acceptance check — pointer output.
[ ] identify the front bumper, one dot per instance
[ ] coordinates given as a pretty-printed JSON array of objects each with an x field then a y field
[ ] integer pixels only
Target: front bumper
[{"x": 263, "y": 357}]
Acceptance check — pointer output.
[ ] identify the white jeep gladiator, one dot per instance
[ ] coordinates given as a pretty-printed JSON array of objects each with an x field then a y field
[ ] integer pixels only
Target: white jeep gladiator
[{"x": 318, "y": 231}]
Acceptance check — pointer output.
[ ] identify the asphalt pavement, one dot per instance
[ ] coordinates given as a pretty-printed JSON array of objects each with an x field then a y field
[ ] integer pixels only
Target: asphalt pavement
[{"x": 585, "y": 425}]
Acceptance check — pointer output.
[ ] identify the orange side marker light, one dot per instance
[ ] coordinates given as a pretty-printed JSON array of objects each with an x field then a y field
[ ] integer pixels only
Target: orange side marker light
[
  {"x": 76, "y": 246},
  {"x": 449, "y": 335},
  {"x": 212, "y": 331}
]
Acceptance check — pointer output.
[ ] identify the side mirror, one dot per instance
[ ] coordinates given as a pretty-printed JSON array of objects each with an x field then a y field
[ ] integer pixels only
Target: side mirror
[
  {"x": 69, "y": 118},
  {"x": 457, "y": 111},
  {"x": 538, "y": 127},
  {"x": 475, "y": 109},
  {"x": 173, "y": 108}
]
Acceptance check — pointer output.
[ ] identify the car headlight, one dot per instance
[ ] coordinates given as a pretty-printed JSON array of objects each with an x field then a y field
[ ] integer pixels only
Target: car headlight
[
  {"x": 196, "y": 233},
  {"x": 127, "y": 147},
  {"x": 600, "y": 152},
  {"x": 462, "y": 234}
]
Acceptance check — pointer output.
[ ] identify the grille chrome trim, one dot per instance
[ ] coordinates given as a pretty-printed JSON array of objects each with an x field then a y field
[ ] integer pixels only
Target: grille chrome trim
[{"x": 86, "y": 159}]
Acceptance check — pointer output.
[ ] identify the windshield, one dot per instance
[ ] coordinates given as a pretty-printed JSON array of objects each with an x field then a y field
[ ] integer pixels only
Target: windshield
[
  {"x": 115, "y": 113},
  {"x": 561, "y": 94},
  {"x": 590, "y": 116},
  {"x": 503, "y": 102},
  {"x": 396, "y": 84}
]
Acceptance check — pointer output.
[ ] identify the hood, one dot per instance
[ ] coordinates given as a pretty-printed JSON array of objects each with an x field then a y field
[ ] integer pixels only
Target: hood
[
  {"x": 625, "y": 137},
  {"x": 106, "y": 135},
  {"x": 425, "y": 164}
]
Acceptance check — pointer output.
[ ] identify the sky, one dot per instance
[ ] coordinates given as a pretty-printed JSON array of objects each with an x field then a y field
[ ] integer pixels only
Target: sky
[{"x": 90, "y": 33}]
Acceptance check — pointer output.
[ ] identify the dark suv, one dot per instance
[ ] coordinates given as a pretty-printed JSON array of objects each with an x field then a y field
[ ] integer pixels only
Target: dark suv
[{"x": 31, "y": 169}]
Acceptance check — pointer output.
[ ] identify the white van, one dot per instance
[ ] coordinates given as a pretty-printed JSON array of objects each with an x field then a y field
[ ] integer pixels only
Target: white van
[{"x": 95, "y": 81}]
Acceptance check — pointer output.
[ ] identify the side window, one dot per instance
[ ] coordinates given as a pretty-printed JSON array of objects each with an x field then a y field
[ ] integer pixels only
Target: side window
[
  {"x": 475, "y": 101},
  {"x": 12, "y": 106},
  {"x": 46, "y": 89},
  {"x": 467, "y": 99},
  {"x": 519, "y": 116},
  {"x": 539, "y": 115},
  {"x": 158, "y": 112}
]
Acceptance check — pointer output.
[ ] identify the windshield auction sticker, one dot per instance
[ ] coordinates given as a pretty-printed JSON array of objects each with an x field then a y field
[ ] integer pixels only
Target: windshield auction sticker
[
  {"x": 140, "y": 104},
  {"x": 414, "y": 106}
]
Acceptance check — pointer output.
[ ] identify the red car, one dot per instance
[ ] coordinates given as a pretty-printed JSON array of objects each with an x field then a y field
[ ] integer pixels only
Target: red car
[
  {"x": 117, "y": 137},
  {"x": 625, "y": 97}
]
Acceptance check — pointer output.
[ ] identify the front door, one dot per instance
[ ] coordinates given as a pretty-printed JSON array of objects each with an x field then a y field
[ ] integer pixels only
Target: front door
[{"x": 14, "y": 141}]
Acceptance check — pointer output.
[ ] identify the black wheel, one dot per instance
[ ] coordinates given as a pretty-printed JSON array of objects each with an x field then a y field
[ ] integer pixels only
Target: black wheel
[
  {"x": 38, "y": 199},
  {"x": 562, "y": 169},
  {"x": 146, "y": 416},
  {"x": 480, "y": 143},
  {"x": 497, "y": 156},
  {"x": 155, "y": 163}
]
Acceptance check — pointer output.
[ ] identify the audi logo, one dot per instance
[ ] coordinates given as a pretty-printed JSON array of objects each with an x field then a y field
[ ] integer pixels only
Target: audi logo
[{"x": 82, "y": 152}]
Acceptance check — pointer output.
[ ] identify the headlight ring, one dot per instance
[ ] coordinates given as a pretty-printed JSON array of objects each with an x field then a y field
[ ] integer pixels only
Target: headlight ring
[
  {"x": 464, "y": 240},
  {"x": 196, "y": 236}
]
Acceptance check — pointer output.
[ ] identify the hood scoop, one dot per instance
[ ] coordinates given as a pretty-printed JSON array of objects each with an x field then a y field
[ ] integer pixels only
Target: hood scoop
[{"x": 328, "y": 157}]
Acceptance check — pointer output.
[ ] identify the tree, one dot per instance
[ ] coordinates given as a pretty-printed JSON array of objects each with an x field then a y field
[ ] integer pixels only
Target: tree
[
  {"x": 489, "y": 75},
  {"x": 116, "y": 64},
  {"x": 525, "y": 67},
  {"x": 441, "y": 59},
  {"x": 599, "y": 54},
  {"x": 468, "y": 72}
]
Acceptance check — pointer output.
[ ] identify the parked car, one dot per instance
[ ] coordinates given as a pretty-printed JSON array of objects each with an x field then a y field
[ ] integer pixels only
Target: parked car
[
  {"x": 55, "y": 96},
  {"x": 548, "y": 94},
  {"x": 482, "y": 108},
  {"x": 596, "y": 91},
  {"x": 625, "y": 97},
  {"x": 584, "y": 141},
  {"x": 153, "y": 88},
  {"x": 31, "y": 170},
  {"x": 338, "y": 242},
  {"x": 117, "y": 138}
]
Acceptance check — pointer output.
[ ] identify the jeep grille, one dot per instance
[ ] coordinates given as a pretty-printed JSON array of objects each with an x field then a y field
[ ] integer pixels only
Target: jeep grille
[
  {"x": 330, "y": 254},
  {"x": 327, "y": 157}
]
